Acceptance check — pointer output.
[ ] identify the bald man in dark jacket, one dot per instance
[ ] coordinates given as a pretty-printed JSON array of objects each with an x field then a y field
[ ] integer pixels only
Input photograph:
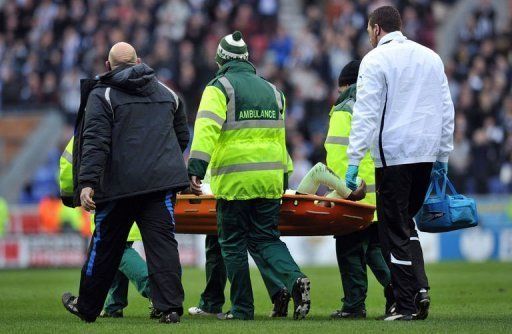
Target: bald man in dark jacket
[{"x": 129, "y": 168}]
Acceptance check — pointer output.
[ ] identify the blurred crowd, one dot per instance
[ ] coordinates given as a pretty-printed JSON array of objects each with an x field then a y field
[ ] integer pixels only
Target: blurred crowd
[
  {"x": 480, "y": 76},
  {"x": 47, "y": 46}
]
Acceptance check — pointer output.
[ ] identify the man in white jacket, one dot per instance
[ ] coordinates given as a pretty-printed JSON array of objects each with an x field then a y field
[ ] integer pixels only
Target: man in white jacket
[{"x": 404, "y": 115}]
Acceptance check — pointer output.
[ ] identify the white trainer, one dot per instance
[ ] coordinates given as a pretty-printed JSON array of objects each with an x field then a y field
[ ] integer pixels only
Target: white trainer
[{"x": 197, "y": 311}]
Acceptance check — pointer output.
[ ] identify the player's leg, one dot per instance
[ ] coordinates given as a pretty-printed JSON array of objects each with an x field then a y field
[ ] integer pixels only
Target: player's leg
[{"x": 320, "y": 174}]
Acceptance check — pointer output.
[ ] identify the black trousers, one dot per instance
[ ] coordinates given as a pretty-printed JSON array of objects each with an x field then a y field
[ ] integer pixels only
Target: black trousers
[
  {"x": 401, "y": 191},
  {"x": 154, "y": 214}
]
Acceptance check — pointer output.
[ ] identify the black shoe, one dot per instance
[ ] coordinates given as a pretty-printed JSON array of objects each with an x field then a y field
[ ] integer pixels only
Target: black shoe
[
  {"x": 301, "y": 298},
  {"x": 170, "y": 318},
  {"x": 422, "y": 301},
  {"x": 153, "y": 312},
  {"x": 115, "y": 314},
  {"x": 398, "y": 317},
  {"x": 339, "y": 314},
  {"x": 281, "y": 300},
  {"x": 390, "y": 309},
  {"x": 70, "y": 303}
]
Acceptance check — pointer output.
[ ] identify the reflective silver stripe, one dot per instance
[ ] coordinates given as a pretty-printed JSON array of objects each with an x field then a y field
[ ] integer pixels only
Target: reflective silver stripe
[
  {"x": 337, "y": 140},
  {"x": 210, "y": 115},
  {"x": 68, "y": 156},
  {"x": 249, "y": 167},
  {"x": 173, "y": 94},
  {"x": 254, "y": 123},
  {"x": 230, "y": 116},
  {"x": 200, "y": 155},
  {"x": 404, "y": 263},
  {"x": 107, "y": 97},
  {"x": 370, "y": 188},
  {"x": 278, "y": 98}
]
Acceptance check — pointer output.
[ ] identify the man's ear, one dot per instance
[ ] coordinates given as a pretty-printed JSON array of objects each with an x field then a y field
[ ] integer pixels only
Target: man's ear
[
  {"x": 378, "y": 31},
  {"x": 138, "y": 61},
  {"x": 107, "y": 66}
]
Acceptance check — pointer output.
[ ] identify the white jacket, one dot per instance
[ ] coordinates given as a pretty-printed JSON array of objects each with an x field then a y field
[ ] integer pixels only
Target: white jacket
[{"x": 403, "y": 111}]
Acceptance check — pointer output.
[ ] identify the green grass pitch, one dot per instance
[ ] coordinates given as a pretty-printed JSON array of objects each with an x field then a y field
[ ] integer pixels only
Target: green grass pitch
[{"x": 466, "y": 298}]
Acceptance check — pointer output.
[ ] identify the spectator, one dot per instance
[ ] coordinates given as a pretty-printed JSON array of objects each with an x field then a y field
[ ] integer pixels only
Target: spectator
[{"x": 47, "y": 46}]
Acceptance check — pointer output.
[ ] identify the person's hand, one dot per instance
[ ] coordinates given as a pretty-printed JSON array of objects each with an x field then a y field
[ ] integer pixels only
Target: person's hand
[
  {"x": 351, "y": 176},
  {"x": 195, "y": 185},
  {"x": 86, "y": 199},
  {"x": 359, "y": 193},
  {"x": 440, "y": 168}
]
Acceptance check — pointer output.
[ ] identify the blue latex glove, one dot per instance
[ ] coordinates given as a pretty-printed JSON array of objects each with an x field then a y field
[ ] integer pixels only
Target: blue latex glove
[
  {"x": 440, "y": 168},
  {"x": 351, "y": 176}
]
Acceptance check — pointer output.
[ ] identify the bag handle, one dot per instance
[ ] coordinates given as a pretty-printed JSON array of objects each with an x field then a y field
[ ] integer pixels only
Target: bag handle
[
  {"x": 434, "y": 185},
  {"x": 430, "y": 188},
  {"x": 450, "y": 185}
]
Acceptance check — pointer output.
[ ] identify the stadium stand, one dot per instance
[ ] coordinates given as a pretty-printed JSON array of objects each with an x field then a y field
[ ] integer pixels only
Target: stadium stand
[
  {"x": 14, "y": 130},
  {"x": 47, "y": 46}
]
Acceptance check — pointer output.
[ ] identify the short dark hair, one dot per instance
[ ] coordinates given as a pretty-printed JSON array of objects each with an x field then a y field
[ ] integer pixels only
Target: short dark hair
[{"x": 387, "y": 17}]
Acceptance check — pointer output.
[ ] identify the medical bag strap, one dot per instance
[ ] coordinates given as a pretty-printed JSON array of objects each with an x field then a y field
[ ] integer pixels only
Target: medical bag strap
[
  {"x": 434, "y": 185},
  {"x": 430, "y": 188},
  {"x": 441, "y": 192},
  {"x": 450, "y": 185}
]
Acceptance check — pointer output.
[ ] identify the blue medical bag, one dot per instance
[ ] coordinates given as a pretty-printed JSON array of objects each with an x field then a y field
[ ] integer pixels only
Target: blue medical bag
[{"x": 442, "y": 212}]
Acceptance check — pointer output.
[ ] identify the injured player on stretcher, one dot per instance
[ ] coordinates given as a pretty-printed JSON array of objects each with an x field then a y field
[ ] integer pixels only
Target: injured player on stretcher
[{"x": 319, "y": 175}]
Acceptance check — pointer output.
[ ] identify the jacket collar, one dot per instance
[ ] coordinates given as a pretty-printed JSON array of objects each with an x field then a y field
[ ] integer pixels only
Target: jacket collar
[
  {"x": 392, "y": 36},
  {"x": 236, "y": 66},
  {"x": 349, "y": 93}
]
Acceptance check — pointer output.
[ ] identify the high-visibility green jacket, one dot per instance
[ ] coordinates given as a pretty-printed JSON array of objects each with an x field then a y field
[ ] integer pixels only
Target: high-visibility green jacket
[
  {"x": 337, "y": 142},
  {"x": 239, "y": 132},
  {"x": 4, "y": 216},
  {"x": 66, "y": 185}
]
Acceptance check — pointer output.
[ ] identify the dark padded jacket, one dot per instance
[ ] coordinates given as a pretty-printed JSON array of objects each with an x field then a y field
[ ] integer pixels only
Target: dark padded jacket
[{"x": 132, "y": 136}]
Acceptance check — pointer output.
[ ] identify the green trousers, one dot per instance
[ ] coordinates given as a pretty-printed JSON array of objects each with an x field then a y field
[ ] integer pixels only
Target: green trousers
[
  {"x": 251, "y": 225},
  {"x": 354, "y": 252},
  {"x": 212, "y": 299},
  {"x": 132, "y": 269}
]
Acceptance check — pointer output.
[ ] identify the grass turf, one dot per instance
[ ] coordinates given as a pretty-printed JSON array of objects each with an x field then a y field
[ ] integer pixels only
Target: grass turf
[{"x": 466, "y": 298}]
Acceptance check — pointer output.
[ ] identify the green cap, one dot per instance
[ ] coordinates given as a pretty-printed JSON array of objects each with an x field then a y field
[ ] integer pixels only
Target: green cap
[{"x": 231, "y": 47}]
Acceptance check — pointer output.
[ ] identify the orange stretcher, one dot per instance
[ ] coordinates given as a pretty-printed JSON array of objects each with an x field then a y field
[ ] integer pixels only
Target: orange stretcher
[{"x": 300, "y": 216}]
